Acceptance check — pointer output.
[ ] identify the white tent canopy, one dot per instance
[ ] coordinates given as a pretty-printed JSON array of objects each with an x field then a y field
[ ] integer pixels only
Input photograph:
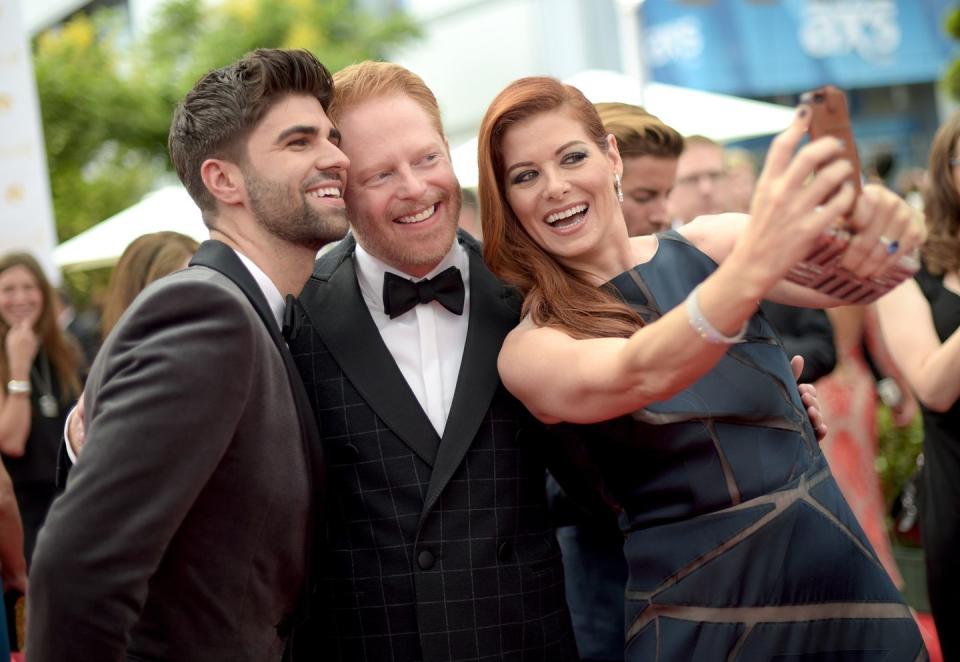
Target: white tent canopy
[
  {"x": 718, "y": 116},
  {"x": 170, "y": 208}
]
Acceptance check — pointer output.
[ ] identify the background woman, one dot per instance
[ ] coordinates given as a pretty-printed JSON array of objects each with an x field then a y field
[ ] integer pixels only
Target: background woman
[
  {"x": 38, "y": 371},
  {"x": 919, "y": 320},
  {"x": 147, "y": 258},
  {"x": 738, "y": 541}
]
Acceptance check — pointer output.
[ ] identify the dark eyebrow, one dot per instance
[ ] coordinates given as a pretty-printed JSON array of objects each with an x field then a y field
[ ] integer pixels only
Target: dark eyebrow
[
  {"x": 286, "y": 133},
  {"x": 557, "y": 151}
]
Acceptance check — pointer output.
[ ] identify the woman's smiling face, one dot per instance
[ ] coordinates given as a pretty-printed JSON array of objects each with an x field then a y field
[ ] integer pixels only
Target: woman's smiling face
[
  {"x": 560, "y": 184},
  {"x": 21, "y": 298}
]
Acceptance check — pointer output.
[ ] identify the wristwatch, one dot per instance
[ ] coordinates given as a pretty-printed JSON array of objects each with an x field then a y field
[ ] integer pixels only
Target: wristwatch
[{"x": 18, "y": 386}]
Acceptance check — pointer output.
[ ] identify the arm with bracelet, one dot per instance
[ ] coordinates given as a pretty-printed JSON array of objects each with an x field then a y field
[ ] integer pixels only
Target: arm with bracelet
[
  {"x": 20, "y": 349},
  {"x": 801, "y": 194}
]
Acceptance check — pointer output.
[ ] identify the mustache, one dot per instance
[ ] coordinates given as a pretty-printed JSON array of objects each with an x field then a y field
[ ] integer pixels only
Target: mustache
[
  {"x": 410, "y": 208},
  {"x": 321, "y": 178}
]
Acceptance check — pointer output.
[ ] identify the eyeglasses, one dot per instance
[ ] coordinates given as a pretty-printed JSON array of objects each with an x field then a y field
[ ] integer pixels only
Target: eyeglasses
[{"x": 713, "y": 176}]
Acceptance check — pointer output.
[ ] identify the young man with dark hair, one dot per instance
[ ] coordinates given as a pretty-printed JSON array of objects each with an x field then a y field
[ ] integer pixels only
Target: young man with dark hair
[{"x": 185, "y": 530}]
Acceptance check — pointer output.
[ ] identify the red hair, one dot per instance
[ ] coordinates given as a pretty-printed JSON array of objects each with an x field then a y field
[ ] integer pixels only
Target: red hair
[
  {"x": 554, "y": 295},
  {"x": 367, "y": 80}
]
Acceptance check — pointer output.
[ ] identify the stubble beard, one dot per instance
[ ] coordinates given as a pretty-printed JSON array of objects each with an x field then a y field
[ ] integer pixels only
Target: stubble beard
[
  {"x": 300, "y": 225},
  {"x": 416, "y": 256}
]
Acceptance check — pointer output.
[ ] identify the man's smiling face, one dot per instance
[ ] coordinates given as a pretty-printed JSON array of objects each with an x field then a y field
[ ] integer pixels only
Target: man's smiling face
[{"x": 403, "y": 198}]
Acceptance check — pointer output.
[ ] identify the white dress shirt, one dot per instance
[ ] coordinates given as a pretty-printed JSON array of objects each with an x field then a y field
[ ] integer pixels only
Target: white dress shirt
[
  {"x": 270, "y": 291},
  {"x": 427, "y": 341},
  {"x": 274, "y": 300}
]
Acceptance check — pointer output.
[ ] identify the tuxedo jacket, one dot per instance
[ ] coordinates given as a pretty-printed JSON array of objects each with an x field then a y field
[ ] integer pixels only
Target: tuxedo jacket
[
  {"x": 436, "y": 549},
  {"x": 185, "y": 527}
]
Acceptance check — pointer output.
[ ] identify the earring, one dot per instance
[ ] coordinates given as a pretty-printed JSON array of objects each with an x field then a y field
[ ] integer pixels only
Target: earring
[{"x": 617, "y": 187}]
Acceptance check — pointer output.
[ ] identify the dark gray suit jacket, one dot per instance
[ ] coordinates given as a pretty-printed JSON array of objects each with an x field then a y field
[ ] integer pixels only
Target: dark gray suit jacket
[
  {"x": 437, "y": 549},
  {"x": 184, "y": 532}
]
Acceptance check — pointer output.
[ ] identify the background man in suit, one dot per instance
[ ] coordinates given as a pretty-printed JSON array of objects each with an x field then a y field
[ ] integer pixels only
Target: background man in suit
[
  {"x": 439, "y": 545},
  {"x": 185, "y": 529},
  {"x": 700, "y": 183}
]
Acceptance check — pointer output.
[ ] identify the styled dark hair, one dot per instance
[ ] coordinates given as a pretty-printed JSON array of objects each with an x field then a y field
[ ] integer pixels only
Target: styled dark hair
[
  {"x": 554, "y": 295},
  {"x": 219, "y": 113},
  {"x": 63, "y": 355},
  {"x": 639, "y": 133},
  {"x": 941, "y": 202}
]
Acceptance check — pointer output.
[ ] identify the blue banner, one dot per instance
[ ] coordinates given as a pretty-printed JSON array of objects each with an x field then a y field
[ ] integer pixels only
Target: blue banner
[{"x": 767, "y": 47}]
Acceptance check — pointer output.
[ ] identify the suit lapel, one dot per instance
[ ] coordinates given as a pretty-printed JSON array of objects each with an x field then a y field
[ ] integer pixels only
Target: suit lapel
[
  {"x": 493, "y": 313},
  {"x": 219, "y": 257},
  {"x": 334, "y": 303}
]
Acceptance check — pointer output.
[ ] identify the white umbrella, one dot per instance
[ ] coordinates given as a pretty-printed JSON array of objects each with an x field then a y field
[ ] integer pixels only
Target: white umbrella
[
  {"x": 718, "y": 116},
  {"x": 170, "y": 208}
]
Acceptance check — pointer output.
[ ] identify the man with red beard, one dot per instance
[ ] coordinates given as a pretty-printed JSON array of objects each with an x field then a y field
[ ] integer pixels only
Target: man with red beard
[{"x": 439, "y": 546}]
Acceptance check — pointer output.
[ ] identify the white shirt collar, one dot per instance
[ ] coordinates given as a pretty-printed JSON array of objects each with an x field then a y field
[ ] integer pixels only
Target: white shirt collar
[
  {"x": 270, "y": 291},
  {"x": 370, "y": 271}
]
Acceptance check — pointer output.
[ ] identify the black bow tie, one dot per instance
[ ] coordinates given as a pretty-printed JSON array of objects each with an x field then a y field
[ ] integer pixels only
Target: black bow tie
[{"x": 400, "y": 294}]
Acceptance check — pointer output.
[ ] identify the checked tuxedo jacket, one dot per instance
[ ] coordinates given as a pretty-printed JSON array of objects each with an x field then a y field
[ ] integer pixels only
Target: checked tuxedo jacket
[{"x": 436, "y": 549}]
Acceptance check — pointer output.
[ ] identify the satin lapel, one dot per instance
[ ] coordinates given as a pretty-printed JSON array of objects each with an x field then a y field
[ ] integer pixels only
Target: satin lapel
[
  {"x": 493, "y": 313},
  {"x": 338, "y": 313},
  {"x": 219, "y": 257}
]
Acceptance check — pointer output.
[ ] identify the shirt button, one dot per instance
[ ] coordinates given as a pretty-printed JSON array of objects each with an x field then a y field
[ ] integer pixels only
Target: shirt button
[{"x": 425, "y": 560}]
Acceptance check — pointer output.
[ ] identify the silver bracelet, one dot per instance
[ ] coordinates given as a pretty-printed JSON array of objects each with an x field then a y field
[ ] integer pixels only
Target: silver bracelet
[
  {"x": 21, "y": 386},
  {"x": 705, "y": 329}
]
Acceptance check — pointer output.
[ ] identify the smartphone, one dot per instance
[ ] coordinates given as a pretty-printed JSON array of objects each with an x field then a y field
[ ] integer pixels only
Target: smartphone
[
  {"x": 821, "y": 269},
  {"x": 830, "y": 117}
]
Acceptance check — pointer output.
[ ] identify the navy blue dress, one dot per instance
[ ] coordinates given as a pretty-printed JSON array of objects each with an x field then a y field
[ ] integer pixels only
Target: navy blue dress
[{"x": 739, "y": 543}]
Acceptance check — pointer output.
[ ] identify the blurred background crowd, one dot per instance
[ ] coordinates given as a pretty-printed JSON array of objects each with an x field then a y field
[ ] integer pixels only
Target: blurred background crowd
[{"x": 90, "y": 213}]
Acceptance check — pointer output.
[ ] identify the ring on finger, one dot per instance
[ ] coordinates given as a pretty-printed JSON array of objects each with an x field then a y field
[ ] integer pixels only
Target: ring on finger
[{"x": 892, "y": 245}]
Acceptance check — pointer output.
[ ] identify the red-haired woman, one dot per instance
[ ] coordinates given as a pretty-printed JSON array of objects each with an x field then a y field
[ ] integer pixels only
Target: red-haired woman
[{"x": 738, "y": 541}]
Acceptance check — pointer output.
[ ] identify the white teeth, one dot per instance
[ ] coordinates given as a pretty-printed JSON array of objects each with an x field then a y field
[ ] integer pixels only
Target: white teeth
[
  {"x": 566, "y": 213},
  {"x": 416, "y": 218},
  {"x": 326, "y": 193}
]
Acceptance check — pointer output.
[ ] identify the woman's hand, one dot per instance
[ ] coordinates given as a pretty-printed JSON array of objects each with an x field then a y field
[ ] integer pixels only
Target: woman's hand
[
  {"x": 799, "y": 195},
  {"x": 21, "y": 345},
  {"x": 885, "y": 228}
]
